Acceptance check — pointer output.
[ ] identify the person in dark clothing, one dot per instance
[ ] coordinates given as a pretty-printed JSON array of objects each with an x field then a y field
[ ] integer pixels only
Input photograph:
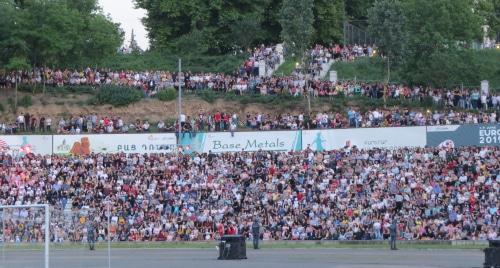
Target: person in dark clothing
[
  {"x": 256, "y": 233},
  {"x": 91, "y": 235},
  {"x": 394, "y": 234}
]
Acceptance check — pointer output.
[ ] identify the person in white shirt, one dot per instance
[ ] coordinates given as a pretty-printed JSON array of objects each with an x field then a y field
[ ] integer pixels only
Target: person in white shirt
[
  {"x": 48, "y": 123},
  {"x": 145, "y": 126},
  {"x": 484, "y": 101},
  {"x": 183, "y": 119},
  {"x": 119, "y": 124},
  {"x": 20, "y": 122},
  {"x": 161, "y": 126}
]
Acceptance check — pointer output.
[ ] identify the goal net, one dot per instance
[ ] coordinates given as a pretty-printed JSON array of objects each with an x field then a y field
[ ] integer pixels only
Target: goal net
[
  {"x": 30, "y": 234},
  {"x": 23, "y": 228}
]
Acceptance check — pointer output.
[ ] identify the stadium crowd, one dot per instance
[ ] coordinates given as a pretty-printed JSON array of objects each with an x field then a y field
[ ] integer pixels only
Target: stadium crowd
[{"x": 435, "y": 193}]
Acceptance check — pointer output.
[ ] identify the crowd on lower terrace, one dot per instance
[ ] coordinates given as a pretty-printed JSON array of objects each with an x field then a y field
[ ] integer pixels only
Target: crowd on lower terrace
[
  {"x": 226, "y": 121},
  {"x": 348, "y": 194}
]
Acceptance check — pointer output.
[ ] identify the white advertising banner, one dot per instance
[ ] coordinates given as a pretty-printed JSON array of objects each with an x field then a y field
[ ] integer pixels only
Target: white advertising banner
[
  {"x": 23, "y": 144},
  {"x": 114, "y": 143},
  {"x": 219, "y": 142},
  {"x": 364, "y": 138}
]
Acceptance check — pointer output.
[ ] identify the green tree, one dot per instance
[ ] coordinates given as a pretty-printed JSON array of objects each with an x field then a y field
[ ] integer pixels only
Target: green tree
[
  {"x": 246, "y": 31},
  {"x": 296, "y": 19},
  {"x": 431, "y": 39},
  {"x": 328, "y": 19},
  {"x": 358, "y": 9},
  {"x": 12, "y": 43},
  {"x": 55, "y": 33},
  {"x": 490, "y": 11},
  {"x": 437, "y": 31},
  {"x": 213, "y": 21},
  {"x": 101, "y": 39},
  {"x": 387, "y": 22}
]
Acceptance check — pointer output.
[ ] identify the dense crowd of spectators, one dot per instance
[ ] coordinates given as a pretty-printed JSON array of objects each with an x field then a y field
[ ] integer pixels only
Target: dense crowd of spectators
[
  {"x": 434, "y": 193},
  {"x": 76, "y": 124},
  {"x": 226, "y": 121},
  {"x": 294, "y": 85}
]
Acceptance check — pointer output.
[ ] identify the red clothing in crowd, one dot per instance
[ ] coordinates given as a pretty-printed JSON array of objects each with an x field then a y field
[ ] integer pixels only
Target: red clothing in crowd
[{"x": 217, "y": 117}]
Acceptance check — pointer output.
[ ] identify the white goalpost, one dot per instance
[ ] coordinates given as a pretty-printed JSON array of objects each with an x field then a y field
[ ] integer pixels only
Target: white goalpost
[{"x": 46, "y": 207}]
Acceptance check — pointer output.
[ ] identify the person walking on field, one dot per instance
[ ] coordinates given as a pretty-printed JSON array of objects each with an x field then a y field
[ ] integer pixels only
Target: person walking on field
[
  {"x": 256, "y": 233},
  {"x": 394, "y": 233}
]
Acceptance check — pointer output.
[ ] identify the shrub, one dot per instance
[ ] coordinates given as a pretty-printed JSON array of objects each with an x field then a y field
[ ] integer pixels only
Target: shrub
[
  {"x": 81, "y": 89},
  {"x": 118, "y": 95},
  {"x": 167, "y": 95},
  {"x": 26, "y": 101},
  {"x": 2, "y": 109},
  {"x": 92, "y": 101},
  {"x": 208, "y": 96}
]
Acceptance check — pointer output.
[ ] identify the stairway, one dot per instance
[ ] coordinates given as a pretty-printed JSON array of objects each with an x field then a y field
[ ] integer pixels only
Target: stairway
[{"x": 325, "y": 68}]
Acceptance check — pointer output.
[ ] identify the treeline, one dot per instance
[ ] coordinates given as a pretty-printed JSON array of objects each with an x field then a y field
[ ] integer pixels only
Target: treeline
[
  {"x": 220, "y": 26},
  {"x": 429, "y": 42},
  {"x": 55, "y": 33}
]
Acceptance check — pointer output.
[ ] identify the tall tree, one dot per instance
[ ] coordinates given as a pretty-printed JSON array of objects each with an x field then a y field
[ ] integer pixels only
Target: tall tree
[
  {"x": 64, "y": 32},
  {"x": 296, "y": 19},
  {"x": 328, "y": 18},
  {"x": 358, "y": 9},
  {"x": 170, "y": 21},
  {"x": 490, "y": 11},
  {"x": 12, "y": 43},
  {"x": 387, "y": 21}
]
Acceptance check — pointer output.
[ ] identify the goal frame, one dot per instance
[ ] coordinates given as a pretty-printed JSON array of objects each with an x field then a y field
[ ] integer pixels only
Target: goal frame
[{"x": 47, "y": 225}]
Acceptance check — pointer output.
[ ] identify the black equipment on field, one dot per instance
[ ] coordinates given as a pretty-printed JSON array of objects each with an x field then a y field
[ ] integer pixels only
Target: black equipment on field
[
  {"x": 232, "y": 247},
  {"x": 492, "y": 254}
]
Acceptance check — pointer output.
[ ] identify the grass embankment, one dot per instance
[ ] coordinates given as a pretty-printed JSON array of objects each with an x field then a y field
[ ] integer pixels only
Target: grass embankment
[
  {"x": 287, "y": 67},
  {"x": 375, "y": 70}
]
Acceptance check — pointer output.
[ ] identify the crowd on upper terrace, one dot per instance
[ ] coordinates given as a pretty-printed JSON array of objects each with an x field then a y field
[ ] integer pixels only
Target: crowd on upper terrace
[{"x": 246, "y": 78}]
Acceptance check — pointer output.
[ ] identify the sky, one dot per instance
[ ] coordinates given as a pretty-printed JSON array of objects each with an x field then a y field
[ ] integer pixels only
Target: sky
[{"x": 123, "y": 12}]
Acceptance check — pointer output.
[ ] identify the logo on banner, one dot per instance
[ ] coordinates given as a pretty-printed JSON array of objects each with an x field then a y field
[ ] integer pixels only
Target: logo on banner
[
  {"x": 81, "y": 147},
  {"x": 63, "y": 146},
  {"x": 3, "y": 146},
  {"x": 318, "y": 142},
  {"x": 250, "y": 144}
]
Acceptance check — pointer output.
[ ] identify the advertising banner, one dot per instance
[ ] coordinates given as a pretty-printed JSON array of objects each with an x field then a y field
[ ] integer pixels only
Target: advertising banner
[
  {"x": 219, "y": 142},
  {"x": 463, "y": 135},
  {"x": 114, "y": 143},
  {"x": 364, "y": 138},
  {"x": 23, "y": 144}
]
